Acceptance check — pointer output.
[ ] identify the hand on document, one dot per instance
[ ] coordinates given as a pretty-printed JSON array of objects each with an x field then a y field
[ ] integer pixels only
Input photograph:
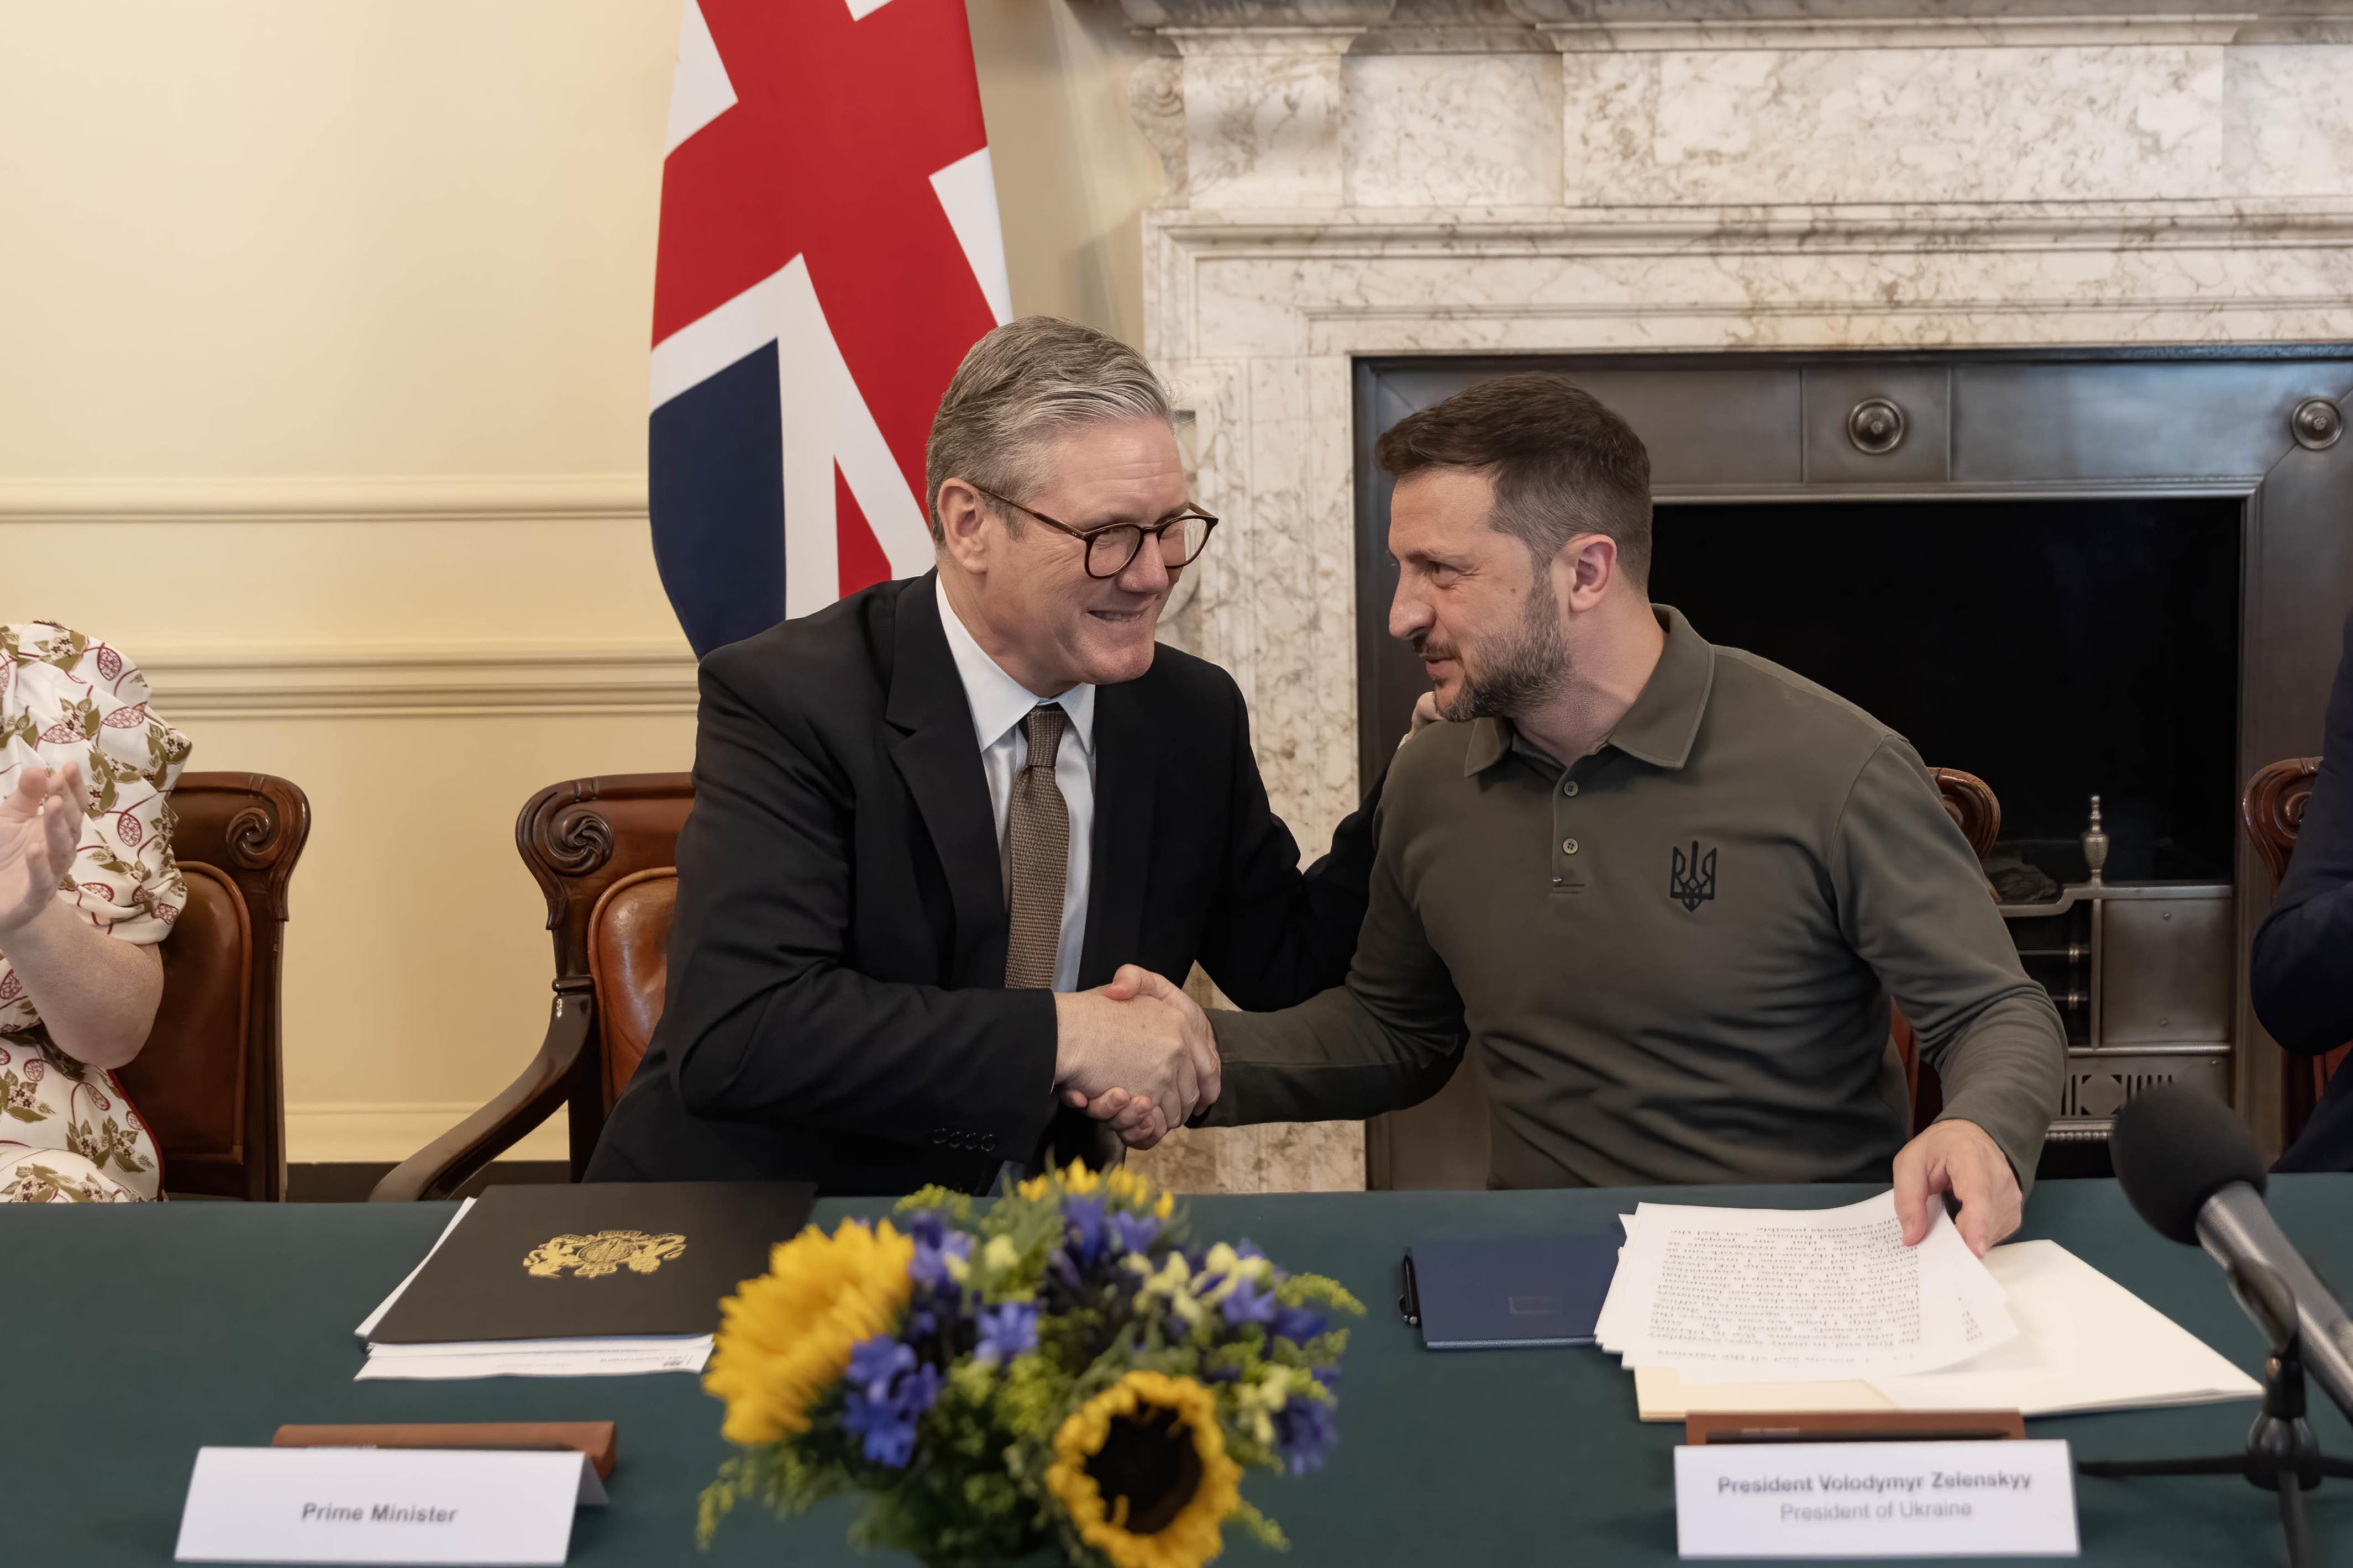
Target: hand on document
[
  {"x": 1137, "y": 1054},
  {"x": 1960, "y": 1158},
  {"x": 1784, "y": 1296}
]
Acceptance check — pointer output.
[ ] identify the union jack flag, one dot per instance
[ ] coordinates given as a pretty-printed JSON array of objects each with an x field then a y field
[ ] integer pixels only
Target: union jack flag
[{"x": 829, "y": 249}]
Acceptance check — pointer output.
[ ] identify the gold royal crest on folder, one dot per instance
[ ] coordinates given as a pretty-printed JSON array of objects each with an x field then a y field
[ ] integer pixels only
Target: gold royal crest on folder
[{"x": 606, "y": 1252}]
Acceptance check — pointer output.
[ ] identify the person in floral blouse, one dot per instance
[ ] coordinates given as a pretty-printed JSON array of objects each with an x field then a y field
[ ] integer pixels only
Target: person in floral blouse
[{"x": 88, "y": 887}]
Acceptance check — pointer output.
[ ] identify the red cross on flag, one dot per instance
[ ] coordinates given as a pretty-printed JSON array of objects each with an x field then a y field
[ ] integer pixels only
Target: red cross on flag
[{"x": 829, "y": 249}]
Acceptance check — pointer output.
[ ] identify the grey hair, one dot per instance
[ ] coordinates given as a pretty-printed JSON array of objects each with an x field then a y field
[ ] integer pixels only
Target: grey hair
[{"x": 1022, "y": 386}]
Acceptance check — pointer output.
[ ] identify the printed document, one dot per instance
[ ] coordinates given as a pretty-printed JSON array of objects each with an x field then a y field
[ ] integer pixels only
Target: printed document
[{"x": 1726, "y": 1295}]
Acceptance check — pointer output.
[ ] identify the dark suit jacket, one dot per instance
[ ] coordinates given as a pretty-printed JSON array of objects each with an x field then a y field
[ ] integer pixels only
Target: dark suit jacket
[
  {"x": 2302, "y": 967},
  {"x": 836, "y": 1009}
]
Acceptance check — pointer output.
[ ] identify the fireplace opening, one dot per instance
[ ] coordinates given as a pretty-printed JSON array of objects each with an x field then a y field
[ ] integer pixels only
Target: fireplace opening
[{"x": 2057, "y": 649}]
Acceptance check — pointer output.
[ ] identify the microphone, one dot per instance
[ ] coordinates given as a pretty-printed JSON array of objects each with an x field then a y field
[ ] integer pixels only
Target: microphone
[{"x": 2189, "y": 1169}]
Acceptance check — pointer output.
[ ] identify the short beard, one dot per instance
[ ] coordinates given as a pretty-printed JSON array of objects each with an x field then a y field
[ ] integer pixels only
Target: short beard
[{"x": 1524, "y": 671}]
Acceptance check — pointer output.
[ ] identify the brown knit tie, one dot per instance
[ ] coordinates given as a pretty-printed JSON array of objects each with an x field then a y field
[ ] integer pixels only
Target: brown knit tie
[{"x": 1036, "y": 857}]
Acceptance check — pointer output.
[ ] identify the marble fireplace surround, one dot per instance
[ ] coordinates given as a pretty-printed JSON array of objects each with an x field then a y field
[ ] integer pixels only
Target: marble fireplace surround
[{"x": 1362, "y": 177}]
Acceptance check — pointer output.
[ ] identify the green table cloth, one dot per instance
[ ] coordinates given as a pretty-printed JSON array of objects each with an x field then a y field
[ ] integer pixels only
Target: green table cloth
[{"x": 133, "y": 1335}]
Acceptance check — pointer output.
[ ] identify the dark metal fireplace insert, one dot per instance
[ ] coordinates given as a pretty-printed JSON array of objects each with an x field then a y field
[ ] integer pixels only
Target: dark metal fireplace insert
[{"x": 2076, "y": 574}]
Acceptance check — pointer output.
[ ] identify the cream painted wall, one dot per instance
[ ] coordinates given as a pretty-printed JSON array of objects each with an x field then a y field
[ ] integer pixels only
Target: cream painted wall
[{"x": 322, "y": 393}]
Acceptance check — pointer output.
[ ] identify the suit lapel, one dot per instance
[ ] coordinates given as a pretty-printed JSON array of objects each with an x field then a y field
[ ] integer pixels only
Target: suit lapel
[
  {"x": 940, "y": 761},
  {"x": 1126, "y": 766}
]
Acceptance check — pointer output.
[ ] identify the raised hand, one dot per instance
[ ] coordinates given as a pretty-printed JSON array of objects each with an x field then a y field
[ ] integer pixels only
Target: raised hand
[{"x": 41, "y": 829}]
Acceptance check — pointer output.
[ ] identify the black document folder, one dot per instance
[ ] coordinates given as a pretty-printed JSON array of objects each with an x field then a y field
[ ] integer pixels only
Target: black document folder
[
  {"x": 1489, "y": 1293},
  {"x": 600, "y": 1261}
]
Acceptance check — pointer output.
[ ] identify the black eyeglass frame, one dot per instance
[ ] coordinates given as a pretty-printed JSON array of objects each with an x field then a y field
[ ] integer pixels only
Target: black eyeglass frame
[{"x": 1154, "y": 531}]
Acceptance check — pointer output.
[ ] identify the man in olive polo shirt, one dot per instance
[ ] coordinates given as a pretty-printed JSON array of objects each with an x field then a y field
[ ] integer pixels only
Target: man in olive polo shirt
[{"x": 1666, "y": 888}]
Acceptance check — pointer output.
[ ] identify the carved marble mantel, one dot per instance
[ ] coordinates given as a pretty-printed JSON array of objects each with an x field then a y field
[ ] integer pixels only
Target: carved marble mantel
[{"x": 1351, "y": 178}]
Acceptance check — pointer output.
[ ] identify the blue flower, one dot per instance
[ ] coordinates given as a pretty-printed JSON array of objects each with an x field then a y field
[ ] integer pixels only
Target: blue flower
[
  {"x": 928, "y": 1226},
  {"x": 874, "y": 1363},
  {"x": 1085, "y": 1218},
  {"x": 1329, "y": 1376},
  {"x": 1305, "y": 1431},
  {"x": 880, "y": 1413},
  {"x": 1134, "y": 1232},
  {"x": 1297, "y": 1324},
  {"x": 1246, "y": 1303},
  {"x": 929, "y": 1268},
  {"x": 1006, "y": 1331},
  {"x": 1246, "y": 1249}
]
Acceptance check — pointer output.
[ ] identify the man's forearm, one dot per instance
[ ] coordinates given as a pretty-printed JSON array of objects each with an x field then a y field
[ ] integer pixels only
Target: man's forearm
[
  {"x": 1327, "y": 1059},
  {"x": 2005, "y": 1074},
  {"x": 96, "y": 995},
  {"x": 830, "y": 1048}
]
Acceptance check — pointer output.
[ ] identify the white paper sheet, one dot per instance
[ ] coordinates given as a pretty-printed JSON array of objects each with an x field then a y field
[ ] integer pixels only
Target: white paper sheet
[
  {"x": 1732, "y": 1295},
  {"x": 2085, "y": 1343}
]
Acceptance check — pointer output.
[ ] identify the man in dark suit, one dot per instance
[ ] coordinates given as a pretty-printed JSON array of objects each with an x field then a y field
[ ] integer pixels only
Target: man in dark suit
[
  {"x": 933, "y": 821},
  {"x": 2303, "y": 969}
]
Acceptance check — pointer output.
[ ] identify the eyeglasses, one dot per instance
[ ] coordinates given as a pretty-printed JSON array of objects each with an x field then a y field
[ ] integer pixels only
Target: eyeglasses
[{"x": 1113, "y": 549}]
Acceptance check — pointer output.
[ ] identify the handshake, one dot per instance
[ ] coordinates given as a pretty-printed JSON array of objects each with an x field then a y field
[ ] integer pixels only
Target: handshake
[{"x": 1136, "y": 1054}]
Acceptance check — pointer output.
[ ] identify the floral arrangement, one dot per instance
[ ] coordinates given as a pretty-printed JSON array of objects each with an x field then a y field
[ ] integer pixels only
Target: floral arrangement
[{"x": 1064, "y": 1370}]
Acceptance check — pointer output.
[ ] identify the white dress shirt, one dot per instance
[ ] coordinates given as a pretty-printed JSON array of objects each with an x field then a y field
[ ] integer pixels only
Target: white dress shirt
[{"x": 999, "y": 703}]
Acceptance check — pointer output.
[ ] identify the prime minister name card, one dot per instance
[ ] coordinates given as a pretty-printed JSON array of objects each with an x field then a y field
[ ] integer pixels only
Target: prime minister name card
[
  {"x": 1875, "y": 1500},
  {"x": 422, "y": 1505}
]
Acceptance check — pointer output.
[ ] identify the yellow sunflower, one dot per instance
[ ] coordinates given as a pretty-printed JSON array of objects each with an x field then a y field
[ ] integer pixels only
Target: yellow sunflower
[
  {"x": 1151, "y": 1442},
  {"x": 784, "y": 1338}
]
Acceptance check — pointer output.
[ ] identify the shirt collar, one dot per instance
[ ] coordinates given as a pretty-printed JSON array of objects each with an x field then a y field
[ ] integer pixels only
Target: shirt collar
[
  {"x": 1662, "y": 723},
  {"x": 997, "y": 701}
]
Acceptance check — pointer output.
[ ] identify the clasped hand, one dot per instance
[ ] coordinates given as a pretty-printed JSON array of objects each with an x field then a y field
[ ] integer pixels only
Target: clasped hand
[{"x": 1136, "y": 1053}]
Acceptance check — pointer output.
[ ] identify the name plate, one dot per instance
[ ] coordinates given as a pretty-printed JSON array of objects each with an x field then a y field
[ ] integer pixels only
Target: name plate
[
  {"x": 384, "y": 1505},
  {"x": 1875, "y": 1500}
]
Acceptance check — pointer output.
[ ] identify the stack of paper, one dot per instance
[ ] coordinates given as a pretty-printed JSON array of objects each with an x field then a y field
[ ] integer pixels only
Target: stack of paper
[
  {"x": 2085, "y": 1343},
  {"x": 1724, "y": 1295},
  {"x": 521, "y": 1358}
]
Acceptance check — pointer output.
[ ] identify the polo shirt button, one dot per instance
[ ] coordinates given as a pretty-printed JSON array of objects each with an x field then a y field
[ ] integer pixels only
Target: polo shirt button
[
  {"x": 1569, "y": 846},
  {"x": 1568, "y": 788}
]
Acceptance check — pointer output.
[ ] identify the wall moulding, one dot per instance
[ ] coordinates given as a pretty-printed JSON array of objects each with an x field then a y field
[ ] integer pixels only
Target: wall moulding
[
  {"x": 1653, "y": 26},
  {"x": 439, "y": 498},
  {"x": 484, "y": 681}
]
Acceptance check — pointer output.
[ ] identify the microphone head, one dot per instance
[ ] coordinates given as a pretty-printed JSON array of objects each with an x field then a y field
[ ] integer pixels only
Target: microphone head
[{"x": 2175, "y": 1147}]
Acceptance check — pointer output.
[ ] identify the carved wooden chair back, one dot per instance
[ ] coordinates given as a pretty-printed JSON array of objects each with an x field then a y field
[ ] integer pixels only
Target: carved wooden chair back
[
  {"x": 210, "y": 1081},
  {"x": 604, "y": 852},
  {"x": 2272, "y": 810}
]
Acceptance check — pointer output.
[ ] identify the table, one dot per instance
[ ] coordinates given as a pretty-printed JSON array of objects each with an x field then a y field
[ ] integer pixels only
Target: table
[{"x": 132, "y": 1335}]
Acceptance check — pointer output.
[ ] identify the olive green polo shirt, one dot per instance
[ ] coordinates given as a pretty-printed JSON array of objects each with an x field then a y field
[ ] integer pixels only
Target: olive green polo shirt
[{"x": 1674, "y": 957}]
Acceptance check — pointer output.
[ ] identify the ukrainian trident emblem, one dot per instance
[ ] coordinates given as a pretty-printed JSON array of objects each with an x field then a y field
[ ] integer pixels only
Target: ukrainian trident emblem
[{"x": 1690, "y": 879}]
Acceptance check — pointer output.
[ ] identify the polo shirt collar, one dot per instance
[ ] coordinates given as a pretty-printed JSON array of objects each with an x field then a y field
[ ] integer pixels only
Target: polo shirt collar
[
  {"x": 997, "y": 701},
  {"x": 1661, "y": 726}
]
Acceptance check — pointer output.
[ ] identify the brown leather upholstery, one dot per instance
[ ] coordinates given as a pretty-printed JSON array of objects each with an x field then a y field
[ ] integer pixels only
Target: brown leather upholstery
[
  {"x": 188, "y": 1080},
  {"x": 2273, "y": 809},
  {"x": 629, "y": 962},
  {"x": 603, "y": 851},
  {"x": 1442, "y": 1141},
  {"x": 209, "y": 1081}
]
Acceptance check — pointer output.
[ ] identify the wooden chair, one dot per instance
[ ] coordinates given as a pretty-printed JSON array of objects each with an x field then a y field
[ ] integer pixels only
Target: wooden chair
[
  {"x": 210, "y": 1082},
  {"x": 604, "y": 851},
  {"x": 2273, "y": 809}
]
